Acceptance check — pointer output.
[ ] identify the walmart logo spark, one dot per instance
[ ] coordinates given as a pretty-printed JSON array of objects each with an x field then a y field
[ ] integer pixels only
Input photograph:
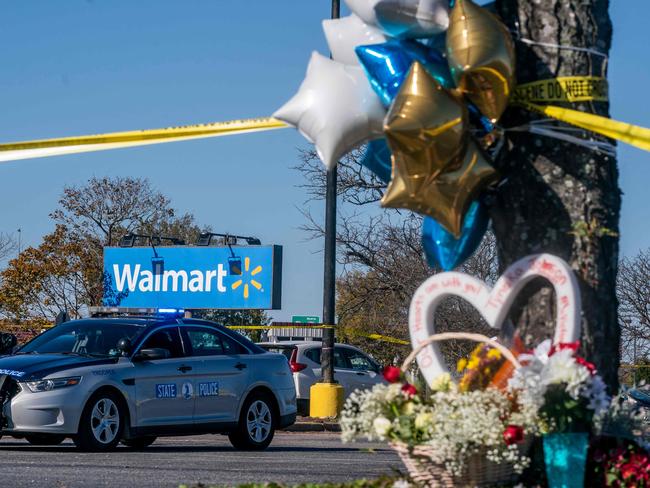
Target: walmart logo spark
[{"x": 250, "y": 281}]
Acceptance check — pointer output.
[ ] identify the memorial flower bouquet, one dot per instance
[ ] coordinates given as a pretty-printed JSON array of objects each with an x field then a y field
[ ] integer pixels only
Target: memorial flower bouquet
[
  {"x": 562, "y": 387},
  {"x": 456, "y": 426}
]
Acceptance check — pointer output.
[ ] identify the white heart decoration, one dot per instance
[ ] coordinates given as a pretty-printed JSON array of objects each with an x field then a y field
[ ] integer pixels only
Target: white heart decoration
[{"x": 493, "y": 304}]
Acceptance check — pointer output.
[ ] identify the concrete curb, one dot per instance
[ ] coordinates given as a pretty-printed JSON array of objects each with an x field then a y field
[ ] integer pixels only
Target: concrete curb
[{"x": 308, "y": 424}]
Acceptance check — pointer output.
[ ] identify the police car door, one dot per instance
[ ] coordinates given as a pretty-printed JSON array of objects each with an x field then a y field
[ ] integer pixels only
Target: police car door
[
  {"x": 223, "y": 374},
  {"x": 164, "y": 386}
]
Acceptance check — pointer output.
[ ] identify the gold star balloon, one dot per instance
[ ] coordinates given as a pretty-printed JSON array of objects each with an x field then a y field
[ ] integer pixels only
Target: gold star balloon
[
  {"x": 447, "y": 197},
  {"x": 426, "y": 129},
  {"x": 437, "y": 169},
  {"x": 481, "y": 57}
]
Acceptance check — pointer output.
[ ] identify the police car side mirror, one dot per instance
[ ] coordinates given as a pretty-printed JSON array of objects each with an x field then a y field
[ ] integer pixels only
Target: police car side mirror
[{"x": 151, "y": 354}]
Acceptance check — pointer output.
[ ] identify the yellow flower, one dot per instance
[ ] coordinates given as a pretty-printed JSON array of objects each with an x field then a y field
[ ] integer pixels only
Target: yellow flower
[
  {"x": 442, "y": 383},
  {"x": 494, "y": 354},
  {"x": 462, "y": 364},
  {"x": 473, "y": 363}
]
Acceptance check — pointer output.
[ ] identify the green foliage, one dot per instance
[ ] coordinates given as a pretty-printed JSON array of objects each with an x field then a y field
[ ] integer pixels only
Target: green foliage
[
  {"x": 230, "y": 318},
  {"x": 591, "y": 230},
  {"x": 564, "y": 413}
]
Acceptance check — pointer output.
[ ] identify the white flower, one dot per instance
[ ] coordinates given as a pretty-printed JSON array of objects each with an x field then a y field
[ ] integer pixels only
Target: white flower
[
  {"x": 541, "y": 370},
  {"x": 562, "y": 368},
  {"x": 393, "y": 391},
  {"x": 423, "y": 420},
  {"x": 382, "y": 426}
]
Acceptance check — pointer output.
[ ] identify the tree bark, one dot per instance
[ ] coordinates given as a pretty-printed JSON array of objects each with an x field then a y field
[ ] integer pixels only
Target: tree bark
[{"x": 559, "y": 197}]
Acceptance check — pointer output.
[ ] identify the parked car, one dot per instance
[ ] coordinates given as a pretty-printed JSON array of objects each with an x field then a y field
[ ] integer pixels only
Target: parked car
[
  {"x": 641, "y": 398},
  {"x": 353, "y": 368},
  {"x": 102, "y": 381}
]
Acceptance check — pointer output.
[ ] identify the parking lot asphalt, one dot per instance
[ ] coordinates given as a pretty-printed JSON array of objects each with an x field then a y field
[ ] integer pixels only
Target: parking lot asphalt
[{"x": 293, "y": 457}]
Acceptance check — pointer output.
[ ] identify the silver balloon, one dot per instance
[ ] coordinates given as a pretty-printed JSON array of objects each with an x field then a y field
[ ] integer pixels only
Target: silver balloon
[{"x": 412, "y": 18}]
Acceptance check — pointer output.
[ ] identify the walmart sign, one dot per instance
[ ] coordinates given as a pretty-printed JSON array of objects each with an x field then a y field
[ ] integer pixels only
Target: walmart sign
[{"x": 193, "y": 277}]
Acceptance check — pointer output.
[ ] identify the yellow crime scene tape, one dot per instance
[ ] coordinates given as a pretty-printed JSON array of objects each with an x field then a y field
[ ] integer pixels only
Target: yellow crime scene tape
[
  {"x": 621, "y": 131},
  {"x": 116, "y": 140},
  {"x": 376, "y": 337},
  {"x": 538, "y": 95},
  {"x": 569, "y": 89}
]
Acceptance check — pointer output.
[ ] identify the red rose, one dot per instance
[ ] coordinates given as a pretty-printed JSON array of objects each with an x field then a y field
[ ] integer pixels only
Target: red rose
[
  {"x": 590, "y": 366},
  {"x": 409, "y": 389},
  {"x": 513, "y": 434},
  {"x": 392, "y": 374}
]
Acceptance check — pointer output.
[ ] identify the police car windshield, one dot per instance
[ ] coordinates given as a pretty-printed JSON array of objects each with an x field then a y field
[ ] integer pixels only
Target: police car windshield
[{"x": 85, "y": 338}]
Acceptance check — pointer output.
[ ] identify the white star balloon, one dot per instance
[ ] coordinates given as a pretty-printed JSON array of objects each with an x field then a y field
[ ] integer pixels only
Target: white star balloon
[
  {"x": 343, "y": 35},
  {"x": 364, "y": 9},
  {"x": 335, "y": 108}
]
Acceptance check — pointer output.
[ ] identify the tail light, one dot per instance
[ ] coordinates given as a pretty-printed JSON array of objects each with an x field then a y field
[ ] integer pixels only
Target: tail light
[{"x": 295, "y": 365}]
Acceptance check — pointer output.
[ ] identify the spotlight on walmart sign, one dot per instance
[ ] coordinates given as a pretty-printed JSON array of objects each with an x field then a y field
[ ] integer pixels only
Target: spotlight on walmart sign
[{"x": 193, "y": 277}]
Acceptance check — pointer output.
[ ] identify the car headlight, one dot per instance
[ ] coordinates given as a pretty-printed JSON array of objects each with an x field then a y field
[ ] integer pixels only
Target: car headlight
[{"x": 52, "y": 384}]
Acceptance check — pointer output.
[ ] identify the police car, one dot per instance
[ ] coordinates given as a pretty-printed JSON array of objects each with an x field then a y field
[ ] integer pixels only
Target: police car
[{"x": 105, "y": 380}]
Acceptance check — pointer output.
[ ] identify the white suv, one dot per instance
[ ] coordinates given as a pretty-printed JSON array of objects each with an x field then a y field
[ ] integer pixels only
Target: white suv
[{"x": 353, "y": 369}]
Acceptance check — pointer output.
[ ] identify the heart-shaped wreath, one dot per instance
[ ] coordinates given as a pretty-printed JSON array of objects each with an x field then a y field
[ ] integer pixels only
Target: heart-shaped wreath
[{"x": 493, "y": 304}]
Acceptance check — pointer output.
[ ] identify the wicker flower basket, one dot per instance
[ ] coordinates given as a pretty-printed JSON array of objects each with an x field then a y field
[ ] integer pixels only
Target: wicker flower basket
[
  {"x": 423, "y": 462},
  {"x": 479, "y": 471}
]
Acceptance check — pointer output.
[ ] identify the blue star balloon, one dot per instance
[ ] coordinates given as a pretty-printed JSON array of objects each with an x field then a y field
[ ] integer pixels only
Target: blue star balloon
[
  {"x": 377, "y": 159},
  {"x": 440, "y": 246},
  {"x": 387, "y": 65}
]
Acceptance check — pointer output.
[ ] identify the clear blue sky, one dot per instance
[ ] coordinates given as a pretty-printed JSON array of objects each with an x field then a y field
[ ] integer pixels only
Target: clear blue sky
[{"x": 90, "y": 66}]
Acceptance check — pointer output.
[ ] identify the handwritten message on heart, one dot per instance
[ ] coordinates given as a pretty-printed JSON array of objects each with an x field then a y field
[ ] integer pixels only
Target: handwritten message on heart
[{"x": 493, "y": 304}]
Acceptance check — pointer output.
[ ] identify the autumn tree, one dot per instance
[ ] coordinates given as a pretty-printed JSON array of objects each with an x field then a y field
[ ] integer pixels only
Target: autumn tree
[
  {"x": 57, "y": 276},
  {"x": 105, "y": 209},
  {"x": 65, "y": 272}
]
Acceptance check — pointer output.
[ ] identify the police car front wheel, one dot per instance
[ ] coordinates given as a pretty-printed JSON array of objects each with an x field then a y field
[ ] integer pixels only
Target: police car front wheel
[{"x": 102, "y": 423}]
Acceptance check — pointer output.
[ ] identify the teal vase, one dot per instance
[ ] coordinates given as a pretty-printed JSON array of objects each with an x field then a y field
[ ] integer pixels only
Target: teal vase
[{"x": 565, "y": 456}]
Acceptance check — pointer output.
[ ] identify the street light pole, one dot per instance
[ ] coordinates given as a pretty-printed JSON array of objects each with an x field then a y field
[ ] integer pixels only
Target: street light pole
[
  {"x": 326, "y": 396},
  {"x": 329, "y": 281}
]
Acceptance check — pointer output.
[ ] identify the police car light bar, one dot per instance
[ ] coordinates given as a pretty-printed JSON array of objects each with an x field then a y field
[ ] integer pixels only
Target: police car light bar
[
  {"x": 175, "y": 311},
  {"x": 130, "y": 311}
]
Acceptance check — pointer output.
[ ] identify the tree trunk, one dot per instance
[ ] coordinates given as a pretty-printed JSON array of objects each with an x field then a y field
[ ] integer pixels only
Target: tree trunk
[{"x": 559, "y": 197}]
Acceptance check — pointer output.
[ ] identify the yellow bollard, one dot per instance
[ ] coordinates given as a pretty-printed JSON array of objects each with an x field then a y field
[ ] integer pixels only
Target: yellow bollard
[{"x": 326, "y": 400}]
